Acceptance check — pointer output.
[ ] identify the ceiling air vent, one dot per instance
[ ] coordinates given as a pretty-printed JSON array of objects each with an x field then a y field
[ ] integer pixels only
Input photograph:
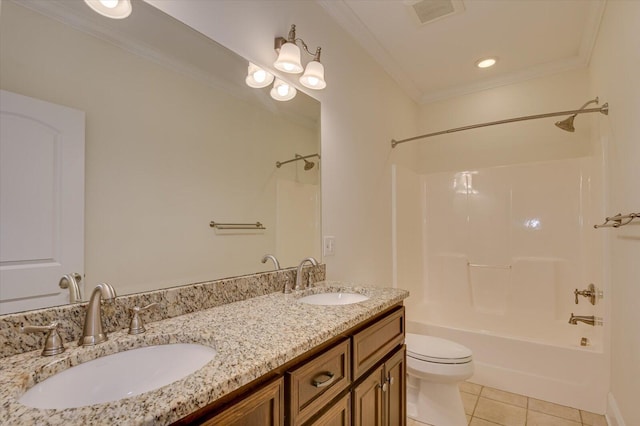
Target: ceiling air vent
[{"x": 426, "y": 11}]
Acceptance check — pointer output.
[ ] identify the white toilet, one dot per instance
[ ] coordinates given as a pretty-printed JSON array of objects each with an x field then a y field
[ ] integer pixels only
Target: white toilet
[{"x": 435, "y": 366}]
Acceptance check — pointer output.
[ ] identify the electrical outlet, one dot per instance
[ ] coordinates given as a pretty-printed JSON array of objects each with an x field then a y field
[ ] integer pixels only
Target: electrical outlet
[{"x": 329, "y": 246}]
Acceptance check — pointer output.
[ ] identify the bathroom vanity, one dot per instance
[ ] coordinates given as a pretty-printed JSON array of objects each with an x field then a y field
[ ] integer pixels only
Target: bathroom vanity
[
  {"x": 278, "y": 361},
  {"x": 361, "y": 371}
]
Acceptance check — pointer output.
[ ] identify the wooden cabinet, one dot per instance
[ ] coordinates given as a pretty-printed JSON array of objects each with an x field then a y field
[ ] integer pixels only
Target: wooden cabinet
[
  {"x": 263, "y": 407},
  {"x": 380, "y": 399}
]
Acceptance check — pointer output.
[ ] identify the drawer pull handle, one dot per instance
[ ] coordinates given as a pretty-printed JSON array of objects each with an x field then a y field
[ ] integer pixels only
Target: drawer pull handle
[{"x": 323, "y": 380}]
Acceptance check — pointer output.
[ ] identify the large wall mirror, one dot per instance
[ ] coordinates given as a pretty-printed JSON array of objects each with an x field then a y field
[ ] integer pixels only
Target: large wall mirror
[{"x": 173, "y": 140}]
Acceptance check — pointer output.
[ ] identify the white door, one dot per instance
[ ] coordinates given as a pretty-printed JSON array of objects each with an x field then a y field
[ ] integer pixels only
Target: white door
[{"x": 41, "y": 201}]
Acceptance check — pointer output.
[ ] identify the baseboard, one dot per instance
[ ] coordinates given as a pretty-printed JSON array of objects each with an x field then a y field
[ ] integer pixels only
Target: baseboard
[{"x": 614, "y": 418}]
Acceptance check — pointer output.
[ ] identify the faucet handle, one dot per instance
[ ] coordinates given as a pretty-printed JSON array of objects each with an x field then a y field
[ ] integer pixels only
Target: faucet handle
[
  {"x": 591, "y": 293},
  {"x": 53, "y": 344},
  {"x": 136, "y": 326}
]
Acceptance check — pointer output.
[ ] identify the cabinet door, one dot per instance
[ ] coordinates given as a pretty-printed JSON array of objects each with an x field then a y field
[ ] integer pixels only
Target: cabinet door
[
  {"x": 396, "y": 392},
  {"x": 368, "y": 400},
  {"x": 263, "y": 407}
]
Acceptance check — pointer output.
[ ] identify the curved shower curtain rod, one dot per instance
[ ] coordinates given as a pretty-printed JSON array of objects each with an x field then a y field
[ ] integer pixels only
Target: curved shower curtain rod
[{"x": 604, "y": 109}]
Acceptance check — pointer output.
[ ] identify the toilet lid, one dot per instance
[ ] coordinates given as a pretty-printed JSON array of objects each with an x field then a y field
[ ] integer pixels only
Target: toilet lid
[{"x": 435, "y": 349}]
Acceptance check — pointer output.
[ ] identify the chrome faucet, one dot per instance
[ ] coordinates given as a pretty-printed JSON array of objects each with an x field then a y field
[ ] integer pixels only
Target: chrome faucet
[
  {"x": 93, "y": 332},
  {"x": 587, "y": 319},
  {"x": 299, "y": 285},
  {"x": 273, "y": 258}
]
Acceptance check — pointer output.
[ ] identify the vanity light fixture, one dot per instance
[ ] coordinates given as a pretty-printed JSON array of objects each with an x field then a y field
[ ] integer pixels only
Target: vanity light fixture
[
  {"x": 486, "y": 62},
  {"x": 289, "y": 60},
  {"x": 282, "y": 91},
  {"x": 258, "y": 77},
  {"x": 115, "y": 9}
]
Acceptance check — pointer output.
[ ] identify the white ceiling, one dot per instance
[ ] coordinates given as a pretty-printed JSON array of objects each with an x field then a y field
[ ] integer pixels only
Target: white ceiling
[{"x": 436, "y": 60}]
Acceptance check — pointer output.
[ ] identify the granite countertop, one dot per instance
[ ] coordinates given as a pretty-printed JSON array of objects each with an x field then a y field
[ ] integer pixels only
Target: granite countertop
[{"x": 251, "y": 337}]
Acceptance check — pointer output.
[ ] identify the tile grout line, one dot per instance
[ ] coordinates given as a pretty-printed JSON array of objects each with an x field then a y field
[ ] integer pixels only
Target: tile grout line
[
  {"x": 527, "y": 409},
  {"x": 473, "y": 412},
  {"x": 560, "y": 417}
]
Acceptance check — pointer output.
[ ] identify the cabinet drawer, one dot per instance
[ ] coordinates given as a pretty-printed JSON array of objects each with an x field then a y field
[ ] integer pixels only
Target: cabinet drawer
[
  {"x": 263, "y": 407},
  {"x": 374, "y": 342},
  {"x": 317, "y": 381},
  {"x": 338, "y": 415}
]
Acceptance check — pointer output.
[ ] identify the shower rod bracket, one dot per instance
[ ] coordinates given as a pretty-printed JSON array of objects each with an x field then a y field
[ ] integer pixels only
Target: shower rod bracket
[
  {"x": 604, "y": 109},
  {"x": 618, "y": 220}
]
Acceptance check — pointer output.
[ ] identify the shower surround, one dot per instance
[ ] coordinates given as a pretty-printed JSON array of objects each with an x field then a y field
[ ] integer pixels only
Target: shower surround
[{"x": 494, "y": 266}]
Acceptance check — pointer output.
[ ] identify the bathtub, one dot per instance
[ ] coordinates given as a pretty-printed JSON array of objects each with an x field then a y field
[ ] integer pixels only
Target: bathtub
[{"x": 543, "y": 360}]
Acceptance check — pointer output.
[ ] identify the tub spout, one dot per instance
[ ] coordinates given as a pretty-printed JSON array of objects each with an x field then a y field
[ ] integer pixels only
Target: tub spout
[{"x": 590, "y": 319}]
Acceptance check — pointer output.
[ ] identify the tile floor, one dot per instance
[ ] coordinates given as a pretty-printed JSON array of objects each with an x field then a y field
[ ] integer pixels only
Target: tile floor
[{"x": 486, "y": 406}]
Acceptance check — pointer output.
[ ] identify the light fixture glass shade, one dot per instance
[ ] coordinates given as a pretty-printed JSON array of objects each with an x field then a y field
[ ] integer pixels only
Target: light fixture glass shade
[
  {"x": 313, "y": 76},
  {"x": 115, "y": 9},
  {"x": 257, "y": 77},
  {"x": 289, "y": 59},
  {"x": 282, "y": 91}
]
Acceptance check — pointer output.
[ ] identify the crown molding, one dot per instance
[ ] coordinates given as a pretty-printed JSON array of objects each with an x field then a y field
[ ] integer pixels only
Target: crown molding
[
  {"x": 347, "y": 19},
  {"x": 66, "y": 15},
  {"x": 543, "y": 70},
  {"x": 340, "y": 11}
]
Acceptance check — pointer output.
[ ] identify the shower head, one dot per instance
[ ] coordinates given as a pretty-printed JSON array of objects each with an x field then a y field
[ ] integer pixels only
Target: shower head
[
  {"x": 567, "y": 123},
  {"x": 308, "y": 165}
]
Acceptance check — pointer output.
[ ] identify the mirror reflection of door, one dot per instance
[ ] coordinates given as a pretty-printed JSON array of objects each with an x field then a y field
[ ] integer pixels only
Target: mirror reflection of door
[{"x": 41, "y": 201}]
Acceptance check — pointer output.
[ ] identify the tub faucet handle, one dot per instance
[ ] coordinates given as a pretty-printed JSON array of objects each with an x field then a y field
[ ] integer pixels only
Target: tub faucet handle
[{"x": 590, "y": 292}]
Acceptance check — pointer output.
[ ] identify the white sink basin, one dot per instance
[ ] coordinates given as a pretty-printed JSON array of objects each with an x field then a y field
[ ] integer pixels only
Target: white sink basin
[
  {"x": 118, "y": 376},
  {"x": 333, "y": 299}
]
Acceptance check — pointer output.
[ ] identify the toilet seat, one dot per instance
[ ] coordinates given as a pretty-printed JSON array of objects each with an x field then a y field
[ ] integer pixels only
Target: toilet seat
[{"x": 436, "y": 350}]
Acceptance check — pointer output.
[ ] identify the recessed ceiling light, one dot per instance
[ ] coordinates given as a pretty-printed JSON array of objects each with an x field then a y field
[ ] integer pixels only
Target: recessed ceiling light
[
  {"x": 115, "y": 9},
  {"x": 486, "y": 63}
]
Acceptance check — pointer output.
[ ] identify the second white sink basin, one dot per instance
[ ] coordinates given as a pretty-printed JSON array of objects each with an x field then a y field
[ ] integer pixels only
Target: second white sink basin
[
  {"x": 333, "y": 298},
  {"x": 118, "y": 376}
]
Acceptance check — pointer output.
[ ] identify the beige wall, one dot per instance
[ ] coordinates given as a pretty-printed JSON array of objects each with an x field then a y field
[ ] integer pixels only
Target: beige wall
[
  {"x": 409, "y": 241},
  {"x": 165, "y": 155},
  {"x": 362, "y": 110},
  {"x": 615, "y": 76},
  {"x": 522, "y": 142}
]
